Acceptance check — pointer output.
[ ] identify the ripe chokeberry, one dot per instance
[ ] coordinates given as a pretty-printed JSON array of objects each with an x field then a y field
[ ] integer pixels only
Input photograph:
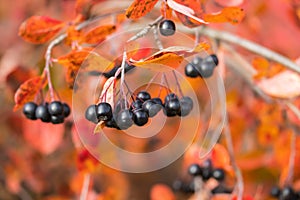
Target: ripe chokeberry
[
  {"x": 275, "y": 191},
  {"x": 57, "y": 119},
  {"x": 172, "y": 107},
  {"x": 167, "y": 27},
  {"x": 288, "y": 193},
  {"x": 91, "y": 114},
  {"x": 205, "y": 69},
  {"x": 157, "y": 101},
  {"x": 195, "y": 170},
  {"x": 220, "y": 189},
  {"x": 151, "y": 107},
  {"x": 143, "y": 95},
  {"x": 212, "y": 59},
  {"x": 66, "y": 109},
  {"x": 136, "y": 104},
  {"x": 124, "y": 119},
  {"x": 197, "y": 60},
  {"x": 55, "y": 108},
  {"x": 29, "y": 110},
  {"x": 140, "y": 117},
  {"x": 42, "y": 113},
  {"x": 218, "y": 174},
  {"x": 111, "y": 123},
  {"x": 186, "y": 105},
  {"x": 170, "y": 96},
  {"x": 104, "y": 111},
  {"x": 191, "y": 71},
  {"x": 207, "y": 170}
]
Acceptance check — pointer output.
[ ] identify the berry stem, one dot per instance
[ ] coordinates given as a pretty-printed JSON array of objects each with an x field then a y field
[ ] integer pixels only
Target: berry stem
[
  {"x": 129, "y": 91},
  {"x": 156, "y": 38},
  {"x": 166, "y": 81},
  {"x": 151, "y": 80},
  {"x": 47, "y": 71},
  {"x": 291, "y": 165},
  {"x": 123, "y": 77},
  {"x": 85, "y": 187},
  {"x": 177, "y": 83}
]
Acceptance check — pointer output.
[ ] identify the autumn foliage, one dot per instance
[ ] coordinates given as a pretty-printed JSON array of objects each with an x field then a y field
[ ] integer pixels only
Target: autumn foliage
[{"x": 65, "y": 42}]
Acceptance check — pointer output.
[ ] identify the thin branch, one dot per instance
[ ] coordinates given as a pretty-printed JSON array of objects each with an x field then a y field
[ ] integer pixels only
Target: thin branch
[
  {"x": 157, "y": 39},
  {"x": 143, "y": 32},
  {"x": 85, "y": 187},
  {"x": 293, "y": 108},
  {"x": 291, "y": 165}
]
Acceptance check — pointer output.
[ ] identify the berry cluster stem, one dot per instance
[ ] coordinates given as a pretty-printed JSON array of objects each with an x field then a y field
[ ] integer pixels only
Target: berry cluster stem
[{"x": 177, "y": 83}]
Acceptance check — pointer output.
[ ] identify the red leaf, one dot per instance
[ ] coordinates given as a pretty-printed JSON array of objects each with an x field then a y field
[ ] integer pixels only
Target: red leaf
[
  {"x": 277, "y": 85},
  {"x": 140, "y": 8},
  {"x": 98, "y": 34},
  {"x": 228, "y": 3},
  {"x": 28, "y": 90},
  {"x": 232, "y": 15},
  {"x": 40, "y": 29},
  {"x": 161, "y": 192},
  {"x": 44, "y": 137}
]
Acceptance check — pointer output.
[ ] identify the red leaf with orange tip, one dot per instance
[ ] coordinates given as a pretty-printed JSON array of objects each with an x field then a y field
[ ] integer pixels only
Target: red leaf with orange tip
[
  {"x": 232, "y": 15},
  {"x": 28, "y": 90},
  {"x": 40, "y": 29},
  {"x": 140, "y": 8},
  {"x": 98, "y": 34},
  {"x": 161, "y": 192}
]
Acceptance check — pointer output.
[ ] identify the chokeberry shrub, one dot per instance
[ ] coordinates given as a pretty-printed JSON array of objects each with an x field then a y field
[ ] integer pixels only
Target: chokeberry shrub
[{"x": 128, "y": 97}]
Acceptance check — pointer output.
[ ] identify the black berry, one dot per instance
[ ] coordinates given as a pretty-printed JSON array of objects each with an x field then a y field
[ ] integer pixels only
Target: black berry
[
  {"x": 275, "y": 191},
  {"x": 55, "y": 108},
  {"x": 151, "y": 107},
  {"x": 42, "y": 113},
  {"x": 143, "y": 95},
  {"x": 221, "y": 189},
  {"x": 157, "y": 101},
  {"x": 197, "y": 60},
  {"x": 172, "y": 107},
  {"x": 195, "y": 170},
  {"x": 167, "y": 27},
  {"x": 111, "y": 123},
  {"x": 212, "y": 59},
  {"x": 207, "y": 170},
  {"x": 66, "y": 109},
  {"x": 186, "y": 105},
  {"x": 205, "y": 69},
  {"x": 124, "y": 119},
  {"x": 104, "y": 111},
  {"x": 140, "y": 117},
  {"x": 136, "y": 104},
  {"x": 170, "y": 96},
  {"x": 29, "y": 110},
  {"x": 91, "y": 115},
  {"x": 287, "y": 193},
  {"x": 218, "y": 174},
  {"x": 57, "y": 119},
  {"x": 191, "y": 71}
]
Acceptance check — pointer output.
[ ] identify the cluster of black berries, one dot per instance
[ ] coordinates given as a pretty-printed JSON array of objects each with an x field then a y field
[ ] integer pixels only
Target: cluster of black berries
[
  {"x": 141, "y": 109},
  {"x": 55, "y": 112},
  {"x": 206, "y": 171},
  {"x": 167, "y": 27},
  {"x": 203, "y": 67},
  {"x": 286, "y": 193}
]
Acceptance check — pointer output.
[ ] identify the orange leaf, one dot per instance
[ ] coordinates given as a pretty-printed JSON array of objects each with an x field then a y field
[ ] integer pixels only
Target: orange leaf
[
  {"x": 140, "y": 8},
  {"x": 98, "y": 34},
  {"x": 161, "y": 192},
  {"x": 40, "y": 29},
  {"x": 169, "y": 59},
  {"x": 262, "y": 66},
  {"x": 44, "y": 137},
  {"x": 232, "y": 15},
  {"x": 28, "y": 90},
  {"x": 73, "y": 35}
]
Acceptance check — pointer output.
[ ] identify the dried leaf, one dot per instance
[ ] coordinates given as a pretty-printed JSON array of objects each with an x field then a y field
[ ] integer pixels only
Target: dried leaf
[
  {"x": 232, "y": 15},
  {"x": 99, "y": 127},
  {"x": 161, "y": 192},
  {"x": 228, "y": 3},
  {"x": 108, "y": 91},
  {"x": 28, "y": 90},
  {"x": 98, "y": 34},
  {"x": 140, "y": 8},
  {"x": 40, "y": 29},
  {"x": 45, "y": 141},
  {"x": 284, "y": 85},
  {"x": 169, "y": 59}
]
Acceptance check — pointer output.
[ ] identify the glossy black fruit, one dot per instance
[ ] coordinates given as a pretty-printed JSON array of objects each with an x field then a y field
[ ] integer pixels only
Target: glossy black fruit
[
  {"x": 167, "y": 27},
  {"x": 136, "y": 104},
  {"x": 91, "y": 114},
  {"x": 143, "y": 95},
  {"x": 140, "y": 117},
  {"x": 55, "y": 108},
  {"x": 157, "y": 101},
  {"x": 212, "y": 59},
  {"x": 197, "y": 61},
  {"x": 218, "y": 174},
  {"x": 287, "y": 193},
  {"x": 111, "y": 123},
  {"x": 220, "y": 189},
  {"x": 275, "y": 191},
  {"x": 104, "y": 111},
  {"x": 124, "y": 119},
  {"x": 66, "y": 109},
  {"x": 207, "y": 170},
  {"x": 29, "y": 110},
  {"x": 170, "y": 96},
  {"x": 195, "y": 170},
  {"x": 57, "y": 119},
  {"x": 206, "y": 69},
  {"x": 172, "y": 107},
  {"x": 186, "y": 105},
  {"x": 191, "y": 71},
  {"x": 42, "y": 113},
  {"x": 177, "y": 185},
  {"x": 151, "y": 107}
]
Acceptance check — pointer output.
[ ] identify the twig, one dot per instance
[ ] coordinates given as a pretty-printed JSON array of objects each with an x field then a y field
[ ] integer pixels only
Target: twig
[
  {"x": 292, "y": 156},
  {"x": 293, "y": 108},
  {"x": 143, "y": 32},
  {"x": 85, "y": 187},
  {"x": 156, "y": 38}
]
